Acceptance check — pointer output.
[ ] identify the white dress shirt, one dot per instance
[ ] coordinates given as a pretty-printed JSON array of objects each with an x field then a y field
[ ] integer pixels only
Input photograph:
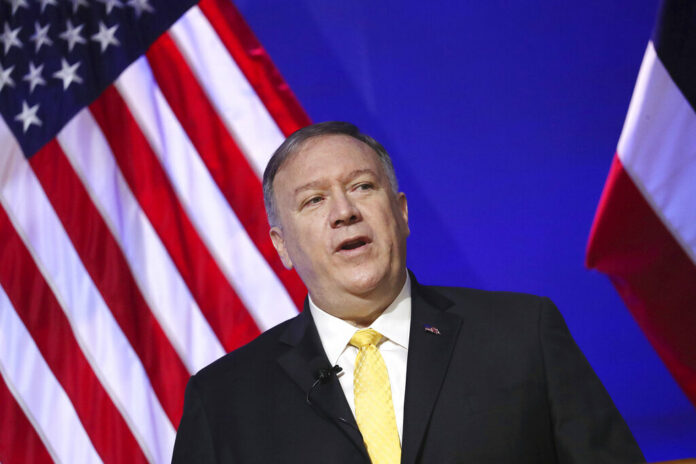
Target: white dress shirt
[{"x": 394, "y": 324}]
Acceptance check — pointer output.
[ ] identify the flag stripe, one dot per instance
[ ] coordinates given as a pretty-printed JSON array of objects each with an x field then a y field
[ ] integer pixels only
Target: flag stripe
[
  {"x": 256, "y": 65},
  {"x": 90, "y": 156},
  {"x": 650, "y": 270},
  {"x": 245, "y": 268},
  {"x": 218, "y": 150},
  {"x": 19, "y": 441},
  {"x": 54, "y": 349},
  {"x": 103, "y": 260},
  {"x": 248, "y": 120},
  {"x": 101, "y": 339},
  {"x": 216, "y": 299},
  {"x": 657, "y": 149}
]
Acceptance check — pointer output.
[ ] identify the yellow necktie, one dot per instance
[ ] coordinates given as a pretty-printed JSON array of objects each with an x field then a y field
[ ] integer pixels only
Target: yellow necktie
[{"x": 374, "y": 410}]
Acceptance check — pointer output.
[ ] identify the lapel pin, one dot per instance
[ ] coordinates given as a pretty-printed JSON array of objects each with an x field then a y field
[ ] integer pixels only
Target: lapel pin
[{"x": 431, "y": 329}]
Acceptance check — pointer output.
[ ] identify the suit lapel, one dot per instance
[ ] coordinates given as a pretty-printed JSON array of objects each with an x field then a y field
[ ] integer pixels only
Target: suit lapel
[
  {"x": 428, "y": 359},
  {"x": 301, "y": 363}
]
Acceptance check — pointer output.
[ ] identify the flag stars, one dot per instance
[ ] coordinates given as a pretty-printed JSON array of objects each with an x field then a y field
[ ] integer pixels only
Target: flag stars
[
  {"x": 45, "y": 3},
  {"x": 68, "y": 73},
  {"x": 34, "y": 76},
  {"x": 9, "y": 38},
  {"x": 105, "y": 36},
  {"x": 139, "y": 6},
  {"x": 40, "y": 36},
  {"x": 6, "y": 77},
  {"x": 72, "y": 35},
  {"x": 17, "y": 4},
  {"x": 111, "y": 4},
  {"x": 28, "y": 116},
  {"x": 76, "y": 4}
]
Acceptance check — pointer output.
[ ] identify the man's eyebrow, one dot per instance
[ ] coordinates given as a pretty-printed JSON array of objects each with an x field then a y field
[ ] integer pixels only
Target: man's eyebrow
[
  {"x": 308, "y": 186},
  {"x": 351, "y": 175}
]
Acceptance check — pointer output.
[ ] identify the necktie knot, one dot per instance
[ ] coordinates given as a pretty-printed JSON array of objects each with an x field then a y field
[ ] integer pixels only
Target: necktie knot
[{"x": 365, "y": 337}]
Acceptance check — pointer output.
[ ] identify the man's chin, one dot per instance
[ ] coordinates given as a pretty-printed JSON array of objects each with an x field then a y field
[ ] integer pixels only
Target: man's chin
[{"x": 365, "y": 283}]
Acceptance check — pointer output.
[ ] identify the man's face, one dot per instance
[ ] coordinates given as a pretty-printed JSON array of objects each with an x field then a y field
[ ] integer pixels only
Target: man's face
[{"x": 341, "y": 225}]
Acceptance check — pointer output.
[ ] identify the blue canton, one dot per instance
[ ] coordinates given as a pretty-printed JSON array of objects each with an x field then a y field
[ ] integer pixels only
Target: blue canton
[{"x": 57, "y": 56}]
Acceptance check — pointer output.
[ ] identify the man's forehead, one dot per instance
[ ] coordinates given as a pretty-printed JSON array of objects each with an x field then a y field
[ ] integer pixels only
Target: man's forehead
[
  {"x": 324, "y": 138},
  {"x": 344, "y": 176}
]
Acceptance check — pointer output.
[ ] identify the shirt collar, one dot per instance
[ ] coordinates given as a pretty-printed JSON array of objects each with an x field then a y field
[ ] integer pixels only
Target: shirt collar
[{"x": 394, "y": 323}]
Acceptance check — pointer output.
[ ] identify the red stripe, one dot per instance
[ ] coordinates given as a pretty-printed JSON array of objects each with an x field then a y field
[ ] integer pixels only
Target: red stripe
[
  {"x": 19, "y": 442},
  {"x": 216, "y": 298},
  {"x": 220, "y": 153},
  {"x": 256, "y": 65},
  {"x": 45, "y": 321},
  {"x": 108, "y": 268},
  {"x": 651, "y": 271}
]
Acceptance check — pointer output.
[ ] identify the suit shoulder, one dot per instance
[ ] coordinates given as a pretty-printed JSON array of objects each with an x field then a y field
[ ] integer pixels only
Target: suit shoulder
[
  {"x": 500, "y": 305},
  {"x": 247, "y": 358},
  {"x": 487, "y": 296}
]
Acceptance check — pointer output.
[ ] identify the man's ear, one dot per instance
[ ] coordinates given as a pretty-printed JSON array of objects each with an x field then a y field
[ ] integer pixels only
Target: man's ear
[
  {"x": 279, "y": 244},
  {"x": 403, "y": 208}
]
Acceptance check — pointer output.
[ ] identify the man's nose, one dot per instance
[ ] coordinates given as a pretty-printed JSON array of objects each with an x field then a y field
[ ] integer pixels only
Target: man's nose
[{"x": 343, "y": 211}]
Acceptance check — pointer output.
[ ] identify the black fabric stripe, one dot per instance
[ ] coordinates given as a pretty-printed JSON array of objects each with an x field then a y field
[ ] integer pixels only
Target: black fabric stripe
[{"x": 674, "y": 38}]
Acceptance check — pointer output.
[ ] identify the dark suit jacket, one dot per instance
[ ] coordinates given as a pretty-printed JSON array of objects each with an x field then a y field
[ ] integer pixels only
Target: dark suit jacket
[{"x": 503, "y": 382}]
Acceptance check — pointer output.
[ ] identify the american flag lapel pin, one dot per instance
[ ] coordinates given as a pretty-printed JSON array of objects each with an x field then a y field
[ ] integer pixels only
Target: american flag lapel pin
[{"x": 431, "y": 329}]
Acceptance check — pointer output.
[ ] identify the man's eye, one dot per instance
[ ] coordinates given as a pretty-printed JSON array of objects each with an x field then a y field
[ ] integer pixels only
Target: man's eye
[
  {"x": 313, "y": 201},
  {"x": 366, "y": 186}
]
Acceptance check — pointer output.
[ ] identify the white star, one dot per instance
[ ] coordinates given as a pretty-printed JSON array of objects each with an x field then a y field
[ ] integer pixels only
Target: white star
[
  {"x": 139, "y": 6},
  {"x": 68, "y": 73},
  {"x": 34, "y": 76},
  {"x": 40, "y": 36},
  {"x": 78, "y": 3},
  {"x": 110, "y": 4},
  {"x": 9, "y": 38},
  {"x": 72, "y": 34},
  {"x": 5, "y": 77},
  {"x": 45, "y": 3},
  {"x": 105, "y": 36},
  {"x": 16, "y": 4},
  {"x": 28, "y": 116}
]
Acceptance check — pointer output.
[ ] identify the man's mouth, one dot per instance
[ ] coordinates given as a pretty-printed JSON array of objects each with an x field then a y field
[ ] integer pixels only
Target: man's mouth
[{"x": 353, "y": 243}]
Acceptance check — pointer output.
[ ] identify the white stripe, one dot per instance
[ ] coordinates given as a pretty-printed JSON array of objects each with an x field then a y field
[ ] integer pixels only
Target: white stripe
[
  {"x": 244, "y": 114},
  {"x": 658, "y": 149},
  {"x": 106, "y": 348},
  {"x": 245, "y": 268},
  {"x": 38, "y": 393},
  {"x": 156, "y": 275}
]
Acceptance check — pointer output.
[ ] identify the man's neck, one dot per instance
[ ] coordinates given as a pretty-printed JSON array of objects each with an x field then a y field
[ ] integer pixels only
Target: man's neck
[{"x": 361, "y": 310}]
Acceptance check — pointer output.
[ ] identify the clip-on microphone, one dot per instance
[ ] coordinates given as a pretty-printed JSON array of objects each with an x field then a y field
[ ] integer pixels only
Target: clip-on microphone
[{"x": 322, "y": 376}]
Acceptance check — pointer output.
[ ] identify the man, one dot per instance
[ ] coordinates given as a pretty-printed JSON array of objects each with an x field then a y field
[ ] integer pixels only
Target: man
[{"x": 441, "y": 375}]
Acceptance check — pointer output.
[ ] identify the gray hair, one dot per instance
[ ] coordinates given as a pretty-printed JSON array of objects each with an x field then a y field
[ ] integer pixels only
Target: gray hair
[{"x": 292, "y": 145}]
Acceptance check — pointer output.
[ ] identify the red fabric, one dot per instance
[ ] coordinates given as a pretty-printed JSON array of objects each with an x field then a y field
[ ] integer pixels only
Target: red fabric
[
  {"x": 651, "y": 271},
  {"x": 106, "y": 265},
  {"x": 19, "y": 442},
  {"x": 42, "y": 315},
  {"x": 226, "y": 163},
  {"x": 149, "y": 183},
  {"x": 256, "y": 65}
]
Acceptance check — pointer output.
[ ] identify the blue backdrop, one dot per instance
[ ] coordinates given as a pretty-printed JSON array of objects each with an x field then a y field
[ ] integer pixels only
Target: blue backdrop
[{"x": 502, "y": 118}]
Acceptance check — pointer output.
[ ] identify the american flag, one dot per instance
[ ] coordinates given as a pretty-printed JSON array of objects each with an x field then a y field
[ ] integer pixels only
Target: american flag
[
  {"x": 431, "y": 329},
  {"x": 134, "y": 245}
]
